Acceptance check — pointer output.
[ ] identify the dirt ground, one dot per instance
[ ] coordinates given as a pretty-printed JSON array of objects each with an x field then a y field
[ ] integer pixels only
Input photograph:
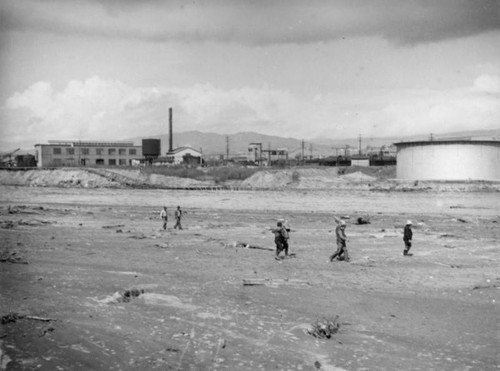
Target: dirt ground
[{"x": 97, "y": 285}]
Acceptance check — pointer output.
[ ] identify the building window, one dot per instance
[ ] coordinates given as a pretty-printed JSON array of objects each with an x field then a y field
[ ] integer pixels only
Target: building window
[
  {"x": 123, "y": 161},
  {"x": 70, "y": 151},
  {"x": 56, "y": 151},
  {"x": 85, "y": 151},
  {"x": 122, "y": 151},
  {"x": 99, "y": 161},
  {"x": 99, "y": 151},
  {"x": 111, "y": 151},
  {"x": 132, "y": 151},
  {"x": 112, "y": 161}
]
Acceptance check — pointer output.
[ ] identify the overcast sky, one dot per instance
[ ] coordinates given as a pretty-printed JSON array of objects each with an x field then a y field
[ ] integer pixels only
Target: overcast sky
[{"x": 109, "y": 70}]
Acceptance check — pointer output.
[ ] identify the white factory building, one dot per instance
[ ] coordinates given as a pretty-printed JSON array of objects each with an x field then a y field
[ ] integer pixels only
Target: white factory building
[
  {"x": 86, "y": 153},
  {"x": 178, "y": 155}
]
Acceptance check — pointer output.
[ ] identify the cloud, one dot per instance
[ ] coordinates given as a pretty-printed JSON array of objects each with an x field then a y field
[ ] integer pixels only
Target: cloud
[
  {"x": 255, "y": 22},
  {"x": 92, "y": 107},
  {"x": 487, "y": 84},
  {"x": 97, "y": 109}
]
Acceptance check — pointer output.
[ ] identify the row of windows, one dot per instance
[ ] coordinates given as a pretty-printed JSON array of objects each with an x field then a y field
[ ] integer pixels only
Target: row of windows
[
  {"x": 99, "y": 161},
  {"x": 98, "y": 151}
]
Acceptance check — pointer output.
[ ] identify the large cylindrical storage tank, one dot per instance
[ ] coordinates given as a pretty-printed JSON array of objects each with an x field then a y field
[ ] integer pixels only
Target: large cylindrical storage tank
[
  {"x": 151, "y": 147},
  {"x": 449, "y": 160}
]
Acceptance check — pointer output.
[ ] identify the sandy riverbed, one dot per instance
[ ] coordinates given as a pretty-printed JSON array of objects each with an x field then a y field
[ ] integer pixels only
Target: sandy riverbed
[{"x": 437, "y": 310}]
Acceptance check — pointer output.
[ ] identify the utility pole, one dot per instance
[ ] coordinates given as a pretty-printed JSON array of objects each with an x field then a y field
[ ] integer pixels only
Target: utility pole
[
  {"x": 269, "y": 154},
  {"x": 359, "y": 144},
  {"x": 80, "y": 149},
  {"x": 227, "y": 148},
  {"x": 303, "y": 159}
]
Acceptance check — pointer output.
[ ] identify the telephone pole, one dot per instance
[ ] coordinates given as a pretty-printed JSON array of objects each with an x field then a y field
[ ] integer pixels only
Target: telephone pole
[
  {"x": 227, "y": 148},
  {"x": 303, "y": 159}
]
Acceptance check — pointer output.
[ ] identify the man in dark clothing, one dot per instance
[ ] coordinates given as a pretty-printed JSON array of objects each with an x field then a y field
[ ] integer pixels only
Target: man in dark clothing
[
  {"x": 286, "y": 225},
  {"x": 341, "y": 243},
  {"x": 178, "y": 217},
  {"x": 407, "y": 237},
  {"x": 280, "y": 237}
]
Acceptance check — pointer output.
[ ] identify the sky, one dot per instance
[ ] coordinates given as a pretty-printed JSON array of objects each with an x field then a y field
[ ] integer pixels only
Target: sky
[{"x": 110, "y": 69}]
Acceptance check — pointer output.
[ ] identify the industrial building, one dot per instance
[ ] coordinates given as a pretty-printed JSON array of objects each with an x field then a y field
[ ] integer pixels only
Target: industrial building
[
  {"x": 78, "y": 153},
  {"x": 181, "y": 155},
  {"x": 449, "y": 160},
  {"x": 265, "y": 157}
]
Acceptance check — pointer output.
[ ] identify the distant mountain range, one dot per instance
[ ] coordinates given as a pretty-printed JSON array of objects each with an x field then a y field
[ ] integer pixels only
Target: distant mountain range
[{"x": 237, "y": 144}]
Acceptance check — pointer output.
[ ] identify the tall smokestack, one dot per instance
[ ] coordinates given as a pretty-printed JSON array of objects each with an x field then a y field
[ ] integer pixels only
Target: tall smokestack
[{"x": 170, "y": 131}]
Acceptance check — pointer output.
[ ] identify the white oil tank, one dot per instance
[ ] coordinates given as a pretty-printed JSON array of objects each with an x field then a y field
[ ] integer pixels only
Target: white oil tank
[{"x": 448, "y": 160}]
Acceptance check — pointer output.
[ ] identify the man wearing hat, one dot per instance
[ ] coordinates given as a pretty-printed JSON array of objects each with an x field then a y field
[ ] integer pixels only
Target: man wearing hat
[
  {"x": 178, "y": 216},
  {"x": 407, "y": 236},
  {"x": 280, "y": 237},
  {"x": 164, "y": 217},
  {"x": 341, "y": 242}
]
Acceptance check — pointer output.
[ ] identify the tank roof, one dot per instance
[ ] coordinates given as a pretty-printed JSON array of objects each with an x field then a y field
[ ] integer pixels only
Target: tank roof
[{"x": 448, "y": 141}]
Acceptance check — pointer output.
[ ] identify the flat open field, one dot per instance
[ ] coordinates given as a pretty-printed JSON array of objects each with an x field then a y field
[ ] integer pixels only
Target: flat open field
[{"x": 97, "y": 285}]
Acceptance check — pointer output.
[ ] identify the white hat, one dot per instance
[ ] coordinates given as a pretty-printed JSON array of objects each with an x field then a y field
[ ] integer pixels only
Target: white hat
[{"x": 408, "y": 222}]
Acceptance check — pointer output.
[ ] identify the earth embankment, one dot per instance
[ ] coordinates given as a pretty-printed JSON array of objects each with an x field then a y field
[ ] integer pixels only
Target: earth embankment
[{"x": 374, "y": 179}]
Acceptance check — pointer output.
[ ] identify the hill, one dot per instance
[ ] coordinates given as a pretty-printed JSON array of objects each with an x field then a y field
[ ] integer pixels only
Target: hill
[{"x": 237, "y": 144}]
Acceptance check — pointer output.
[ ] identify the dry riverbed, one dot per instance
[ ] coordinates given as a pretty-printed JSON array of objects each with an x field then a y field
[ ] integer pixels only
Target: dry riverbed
[{"x": 90, "y": 281}]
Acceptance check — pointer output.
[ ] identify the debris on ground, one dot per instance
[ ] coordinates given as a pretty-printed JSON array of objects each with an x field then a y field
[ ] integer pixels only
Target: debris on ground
[
  {"x": 139, "y": 236},
  {"x": 489, "y": 286},
  {"x": 324, "y": 328},
  {"x": 7, "y": 224},
  {"x": 33, "y": 222},
  {"x": 363, "y": 220},
  {"x": 129, "y": 294},
  {"x": 122, "y": 297},
  {"x": 47, "y": 331},
  {"x": 13, "y": 317},
  {"x": 273, "y": 282},
  {"x": 113, "y": 226},
  {"x": 12, "y": 210},
  {"x": 24, "y": 209},
  {"x": 249, "y": 246},
  {"x": 10, "y": 258}
]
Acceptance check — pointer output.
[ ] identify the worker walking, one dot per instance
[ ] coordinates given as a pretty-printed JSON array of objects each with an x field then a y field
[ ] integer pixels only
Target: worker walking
[
  {"x": 280, "y": 237},
  {"x": 287, "y": 227},
  {"x": 341, "y": 243},
  {"x": 178, "y": 217},
  {"x": 164, "y": 217},
  {"x": 407, "y": 237}
]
